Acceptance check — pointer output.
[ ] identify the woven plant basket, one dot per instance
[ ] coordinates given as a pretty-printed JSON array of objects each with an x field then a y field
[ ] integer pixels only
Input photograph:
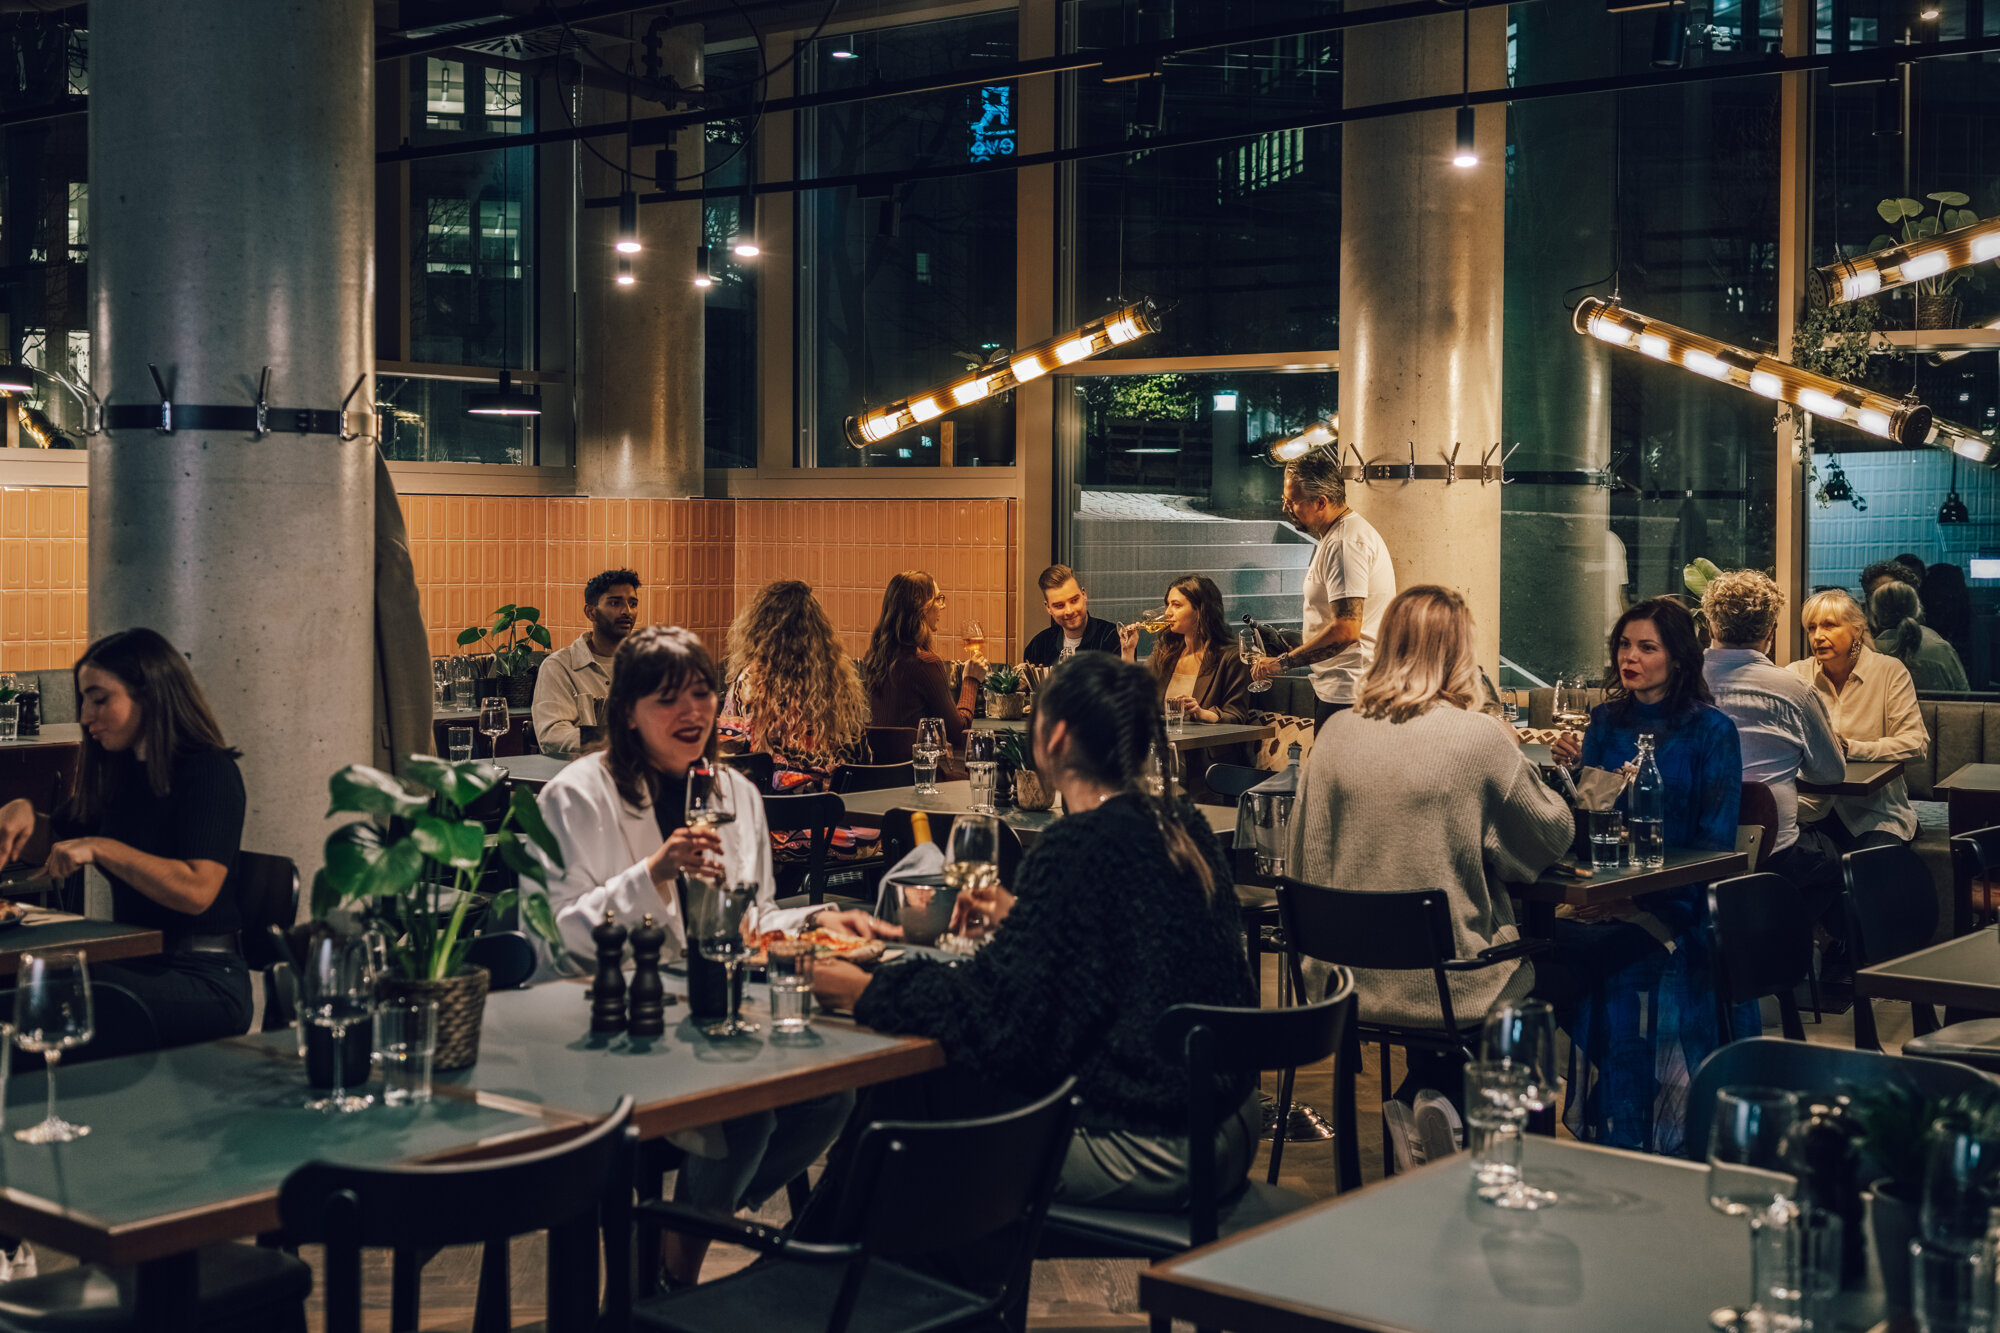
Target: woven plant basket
[{"x": 461, "y": 1002}]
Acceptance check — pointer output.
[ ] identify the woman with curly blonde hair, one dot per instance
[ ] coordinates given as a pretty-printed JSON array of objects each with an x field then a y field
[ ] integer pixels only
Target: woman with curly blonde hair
[{"x": 796, "y": 694}]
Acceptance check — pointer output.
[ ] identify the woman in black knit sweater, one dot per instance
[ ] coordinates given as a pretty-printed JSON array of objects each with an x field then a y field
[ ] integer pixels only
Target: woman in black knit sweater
[{"x": 1123, "y": 909}]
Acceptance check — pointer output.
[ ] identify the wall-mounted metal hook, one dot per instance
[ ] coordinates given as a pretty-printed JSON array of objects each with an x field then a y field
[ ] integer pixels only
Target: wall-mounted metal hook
[
  {"x": 1411, "y": 475},
  {"x": 1451, "y": 465},
  {"x": 1505, "y": 480},
  {"x": 166, "y": 423},
  {"x": 345, "y": 433},
  {"x": 263, "y": 426}
]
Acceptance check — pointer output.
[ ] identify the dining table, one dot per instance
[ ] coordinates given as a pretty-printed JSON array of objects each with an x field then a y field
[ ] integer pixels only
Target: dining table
[
  {"x": 1862, "y": 778},
  {"x": 1188, "y": 736},
  {"x": 866, "y": 809},
  {"x": 1565, "y": 882},
  {"x": 44, "y": 930},
  {"x": 1963, "y": 973},
  {"x": 1972, "y": 797},
  {"x": 532, "y": 771},
  {"x": 1630, "y": 1244}
]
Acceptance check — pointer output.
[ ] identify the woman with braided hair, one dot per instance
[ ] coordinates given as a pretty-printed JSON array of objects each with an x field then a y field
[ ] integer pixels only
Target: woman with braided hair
[{"x": 1123, "y": 908}]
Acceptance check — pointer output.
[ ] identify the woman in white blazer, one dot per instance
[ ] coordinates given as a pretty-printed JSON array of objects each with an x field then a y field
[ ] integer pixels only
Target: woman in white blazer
[{"x": 618, "y": 815}]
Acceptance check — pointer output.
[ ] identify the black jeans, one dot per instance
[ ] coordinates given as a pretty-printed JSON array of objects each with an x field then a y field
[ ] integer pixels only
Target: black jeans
[
  {"x": 1322, "y": 710},
  {"x": 193, "y": 996},
  {"x": 1813, "y": 864}
]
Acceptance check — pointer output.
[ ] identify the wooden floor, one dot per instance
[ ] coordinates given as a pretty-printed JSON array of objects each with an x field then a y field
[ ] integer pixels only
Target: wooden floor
[{"x": 1079, "y": 1294}]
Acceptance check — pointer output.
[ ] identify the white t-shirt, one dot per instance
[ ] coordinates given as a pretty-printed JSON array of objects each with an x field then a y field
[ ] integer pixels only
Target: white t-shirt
[
  {"x": 1069, "y": 647},
  {"x": 1350, "y": 561}
]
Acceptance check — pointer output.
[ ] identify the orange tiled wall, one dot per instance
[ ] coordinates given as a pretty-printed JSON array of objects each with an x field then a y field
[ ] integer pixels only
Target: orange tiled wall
[{"x": 696, "y": 557}]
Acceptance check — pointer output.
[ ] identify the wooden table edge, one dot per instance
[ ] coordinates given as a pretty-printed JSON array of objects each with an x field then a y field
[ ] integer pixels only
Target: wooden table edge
[
  {"x": 1891, "y": 769},
  {"x": 909, "y": 1055},
  {"x": 1578, "y": 892}
]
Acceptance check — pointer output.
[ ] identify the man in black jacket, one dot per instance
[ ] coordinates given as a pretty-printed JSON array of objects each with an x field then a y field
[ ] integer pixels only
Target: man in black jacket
[{"x": 1075, "y": 630}]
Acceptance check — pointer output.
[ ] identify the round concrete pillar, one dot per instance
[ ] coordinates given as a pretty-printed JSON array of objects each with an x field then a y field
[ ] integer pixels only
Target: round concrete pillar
[
  {"x": 1420, "y": 295},
  {"x": 232, "y": 170},
  {"x": 639, "y": 347}
]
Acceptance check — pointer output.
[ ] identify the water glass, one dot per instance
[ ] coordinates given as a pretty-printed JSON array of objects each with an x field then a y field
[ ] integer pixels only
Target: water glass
[
  {"x": 458, "y": 740},
  {"x": 464, "y": 684},
  {"x": 924, "y": 761},
  {"x": 982, "y": 773},
  {"x": 788, "y": 964},
  {"x": 53, "y": 1013},
  {"x": 1951, "y": 1288},
  {"x": 10, "y": 719},
  {"x": 406, "y": 1038},
  {"x": 1607, "y": 838},
  {"x": 1747, "y": 1179},
  {"x": 1177, "y": 713},
  {"x": 1494, "y": 1121}
]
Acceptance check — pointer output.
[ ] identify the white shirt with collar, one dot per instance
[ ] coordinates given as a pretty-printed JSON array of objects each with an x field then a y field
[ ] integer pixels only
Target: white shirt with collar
[
  {"x": 1782, "y": 725},
  {"x": 1876, "y": 714},
  {"x": 567, "y": 677}
]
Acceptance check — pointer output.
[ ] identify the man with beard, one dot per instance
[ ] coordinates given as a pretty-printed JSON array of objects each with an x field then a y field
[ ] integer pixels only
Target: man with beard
[
  {"x": 1075, "y": 630},
  {"x": 570, "y": 690}
]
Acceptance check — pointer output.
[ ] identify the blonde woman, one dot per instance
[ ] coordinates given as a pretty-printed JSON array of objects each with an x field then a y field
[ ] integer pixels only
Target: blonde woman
[
  {"x": 1872, "y": 703},
  {"x": 1416, "y": 787},
  {"x": 796, "y": 695}
]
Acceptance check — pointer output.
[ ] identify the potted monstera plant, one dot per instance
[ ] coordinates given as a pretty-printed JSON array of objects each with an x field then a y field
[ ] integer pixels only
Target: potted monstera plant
[
  {"x": 1937, "y": 305},
  {"x": 518, "y": 640},
  {"x": 411, "y": 868}
]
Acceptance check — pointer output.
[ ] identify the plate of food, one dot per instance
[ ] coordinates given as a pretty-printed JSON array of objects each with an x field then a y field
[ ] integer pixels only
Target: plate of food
[
  {"x": 12, "y": 913},
  {"x": 827, "y": 944}
]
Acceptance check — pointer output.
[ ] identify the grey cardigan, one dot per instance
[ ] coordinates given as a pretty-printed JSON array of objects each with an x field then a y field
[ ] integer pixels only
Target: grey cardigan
[{"x": 1443, "y": 801}]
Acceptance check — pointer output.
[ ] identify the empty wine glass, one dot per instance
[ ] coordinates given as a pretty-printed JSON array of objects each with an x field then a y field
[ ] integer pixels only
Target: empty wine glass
[
  {"x": 1518, "y": 1060},
  {"x": 1250, "y": 648},
  {"x": 721, "y": 915},
  {"x": 927, "y": 753},
  {"x": 493, "y": 722},
  {"x": 1747, "y": 1179},
  {"x": 710, "y": 801},
  {"x": 52, "y": 1014},
  {"x": 337, "y": 987}
]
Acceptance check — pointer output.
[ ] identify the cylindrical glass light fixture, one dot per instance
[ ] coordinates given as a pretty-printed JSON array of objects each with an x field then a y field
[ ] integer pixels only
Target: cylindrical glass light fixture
[
  {"x": 625, "y": 278},
  {"x": 1966, "y": 442},
  {"x": 1912, "y": 261},
  {"x": 1317, "y": 436},
  {"x": 703, "y": 277},
  {"x": 746, "y": 228},
  {"x": 628, "y": 223},
  {"x": 1468, "y": 147},
  {"x": 999, "y": 375},
  {"x": 1903, "y": 420}
]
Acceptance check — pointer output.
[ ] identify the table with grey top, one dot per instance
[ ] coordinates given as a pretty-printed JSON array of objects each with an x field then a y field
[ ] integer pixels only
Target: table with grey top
[
  {"x": 867, "y": 808},
  {"x": 532, "y": 770},
  {"x": 1862, "y": 778},
  {"x": 45, "y": 931},
  {"x": 1193, "y": 736},
  {"x": 1632, "y": 1244},
  {"x": 1972, "y": 796},
  {"x": 1964, "y": 973}
]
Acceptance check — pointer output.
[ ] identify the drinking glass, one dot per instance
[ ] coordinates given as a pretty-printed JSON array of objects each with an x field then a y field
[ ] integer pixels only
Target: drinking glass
[
  {"x": 1572, "y": 702},
  {"x": 1177, "y": 712},
  {"x": 458, "y": 740},
  {"x": 1250, "y": 648},
  {"x": 1607, "y": 838},
  {"x": 52, "y": 1014},
  {"x": 494, "y": 722},
  {"x": 1951, "y": 1265},
  {"x": 972, "y": 854},
  {"x": 710, "y": 801},
  {"x": 983, "y": 773},
  {"x": 721, "y": 914},
  {"x": 338, "y": 985},
  {"x": 924, "y": 768},
  {"x": 1746, "y": 1178},
  {"x": 406, "y": 1037},
  {"x": 463, "y": 683},
  {"x": 10, "y": 718},
  {"x": 1495, "y": 1120},
  {"x": 1154, "y": 621},
  {"x": 788, "y": 965},
  {"x": 1518, "y": 1051}
]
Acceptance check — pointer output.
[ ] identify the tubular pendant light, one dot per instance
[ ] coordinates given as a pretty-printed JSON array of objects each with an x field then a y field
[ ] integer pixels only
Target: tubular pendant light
[
  {"x": 506, "y": 401},
  {"x": 16, "y": 379},
  {"x": 1900, "y": 265},
  {"x": 628, "y": 223},
  {"x": 1905, "y": 421},
  {"x": 1966, "y": 443},
  {"x": 746, "y": 228},
  {"x": 1316, "y": 436},
  {"x": 625, "y": 278},
  {"x": 1467, "y": 154},
  {"x": 999, "y": 375},
  {"x": 703, "y": 277}
]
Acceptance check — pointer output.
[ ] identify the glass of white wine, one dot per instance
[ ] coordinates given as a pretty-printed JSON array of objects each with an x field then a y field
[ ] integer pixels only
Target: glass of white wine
[
  {"x": 1250, "y": 648},
  {"x": 974, "y": 637},
  {"x": 710, "y": 803},
  {"x": 1155, "y": 621},
  {"x": 52, "y": 1014},
  {"x": 972, "y": 856}
]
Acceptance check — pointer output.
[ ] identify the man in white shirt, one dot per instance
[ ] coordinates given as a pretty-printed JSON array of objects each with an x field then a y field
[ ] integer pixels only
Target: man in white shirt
[
  {"x": 570, "y": 688},
  {"x": 1349, "y": 584}
]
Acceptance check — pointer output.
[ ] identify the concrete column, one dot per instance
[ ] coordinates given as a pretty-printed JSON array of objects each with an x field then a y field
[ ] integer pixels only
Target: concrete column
[
  {"x": 639, "y": 349},
  {"x": 1420, "y": 295},
  {"x": 232, "y": 169}
]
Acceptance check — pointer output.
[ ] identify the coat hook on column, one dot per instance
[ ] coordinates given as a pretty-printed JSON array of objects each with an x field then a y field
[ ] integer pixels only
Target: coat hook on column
[
  {"x": 345, "y": 433},
  {"x": 1411, "y": 475},
  {"x": 166, "y": 424},
  {"x": 262, "y": 428},
  {"x": 1451, "y": 464}
]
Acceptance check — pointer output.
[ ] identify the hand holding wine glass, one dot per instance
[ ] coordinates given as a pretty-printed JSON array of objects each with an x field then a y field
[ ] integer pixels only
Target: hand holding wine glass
[
  {"x": 52, "y": 1014},
  {"x": 1250, "y": 649},
  {"x": 710, "y": 801}
]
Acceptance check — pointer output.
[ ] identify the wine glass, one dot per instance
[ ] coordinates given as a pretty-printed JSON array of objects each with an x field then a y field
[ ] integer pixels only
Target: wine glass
[
  {"x": 338, "y": 991},
  {"x": 1747, "y": 1179},
  {"x": 52, "y": 1014},
  {"x": 928, "y": 752},
  {"x": 974, "y": 638},
  {"x": 1518, "y": 1051},
  {"x": 1250, "y": 648},
  {"x": 972, "y": 854},
  {"x": 710, "y": 803},
  {"x": 494, "y": 722},
  {"x": 721, "y": 915}
]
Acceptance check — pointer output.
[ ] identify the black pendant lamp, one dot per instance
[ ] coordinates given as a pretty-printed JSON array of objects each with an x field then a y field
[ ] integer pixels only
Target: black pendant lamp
[{"x": 1953, "y": 509}]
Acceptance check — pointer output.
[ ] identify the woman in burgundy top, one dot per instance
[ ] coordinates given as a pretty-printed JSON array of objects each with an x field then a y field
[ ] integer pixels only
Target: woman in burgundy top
[{"x": 907, "y": 681}]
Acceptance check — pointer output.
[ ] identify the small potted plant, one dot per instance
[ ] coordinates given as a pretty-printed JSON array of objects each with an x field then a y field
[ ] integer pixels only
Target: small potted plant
[
  {"x": 411, "y": 867},
  {"x": 1897, "y": 1124},
  {"x": 1937, "y": 307},
  {"x": 1004, "y": 696},
  {"x": 1032, "y": 791},
  {"x": 512, "y": 638}
]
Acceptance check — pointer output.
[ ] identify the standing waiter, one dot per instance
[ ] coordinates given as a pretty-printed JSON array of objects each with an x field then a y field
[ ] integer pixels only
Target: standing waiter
[{"x": 1349, "y": 584}]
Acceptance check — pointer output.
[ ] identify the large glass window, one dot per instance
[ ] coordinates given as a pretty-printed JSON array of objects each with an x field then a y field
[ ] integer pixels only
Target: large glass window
[
  {"x": 425, "y": 421},
  {"x": 729, "y": 358},
  {"x": 913, "y": 284}
]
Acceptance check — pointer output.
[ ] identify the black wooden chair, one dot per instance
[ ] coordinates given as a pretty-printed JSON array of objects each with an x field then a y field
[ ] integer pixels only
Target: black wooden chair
[
  {"x": 1763, "y": 946},
  {"x": 1230, "y": 781},
  {"x": 565, "y": 1190},
  {"x": 756, "y": 767},
  {"x": 1406, "y": 930},
  {"x": 919, "y": 1191},
  {"x": 849, "y": 778},
  {"x": 815, "y": 814},
  {"x": 1891, "y": 910},
  {"x": 1975, "y": 863},
  {"x": 1210, "y": 1041},
  {"x": 267, "y": 895}
]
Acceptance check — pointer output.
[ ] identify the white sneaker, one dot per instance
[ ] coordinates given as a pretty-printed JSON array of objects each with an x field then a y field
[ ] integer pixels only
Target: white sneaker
[
  {"x": 19, "y": 1264},
  {"x": 1435, "y": 1122},
  {"x": 1405, "y": 1148}
]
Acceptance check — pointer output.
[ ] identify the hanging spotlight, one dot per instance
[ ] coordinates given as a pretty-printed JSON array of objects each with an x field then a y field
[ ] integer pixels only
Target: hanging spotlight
[
  {"x": 702, "y": 275},
  {"x": 1100, "y": 335},
  {"x": 1317, "y": 436},
  {"x": 1670, "y": 31},
  {"x": 746, "y": 228},
  {"x": 1468, "y": 145},
  {"x": 1899, "y": 265},
  {"x": 1468, "y": 149},
  {"x": 1905, "y": 421},
  {"x": 506, "y": 401},
  {"x": 845, "y": 51},
  {"x": 1953, "y": 509},
  {"x": 625, "y": 278},
  {"x": 628, "y": 223},
  {"x": 17, "y": 379}
]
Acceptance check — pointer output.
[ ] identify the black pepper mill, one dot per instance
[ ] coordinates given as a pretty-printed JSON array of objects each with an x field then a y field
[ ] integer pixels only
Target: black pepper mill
[
  {"x": 607, "y": 992},
  {"x": 649, "y": 992}
]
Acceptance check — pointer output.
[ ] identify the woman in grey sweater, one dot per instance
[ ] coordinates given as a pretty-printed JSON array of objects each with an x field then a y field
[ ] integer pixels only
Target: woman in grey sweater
[{"x": 1416, "y": 788}]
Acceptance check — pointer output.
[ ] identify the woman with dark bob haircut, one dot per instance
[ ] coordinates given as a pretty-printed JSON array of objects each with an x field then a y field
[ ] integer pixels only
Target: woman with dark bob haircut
[
  {"x": 1650, "y": 1019},
  {"x": 157, "y": 806},
  {"x": 620, "y": 816}
]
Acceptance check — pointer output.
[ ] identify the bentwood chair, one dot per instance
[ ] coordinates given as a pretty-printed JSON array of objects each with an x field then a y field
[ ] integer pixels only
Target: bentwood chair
[
  {"x": 757, "y": 767},
  {"x": 1891, "y": 910},
  {"x": 565, "y": 1191},
  {"x": 507, "y": 955},
  {"x": 1763, "y": 946},
  {"x": 1391, "y": 931},
  {"x": 849, "y": 778},
  {"x": 1210, "y": 1042},
  {"x": 923, "y": 1198},
  {"x": 816, "y": 814}
]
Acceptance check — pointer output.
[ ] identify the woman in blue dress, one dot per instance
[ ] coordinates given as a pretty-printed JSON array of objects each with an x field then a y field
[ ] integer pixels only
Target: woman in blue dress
[{"x": 1648, "y": 1017}]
